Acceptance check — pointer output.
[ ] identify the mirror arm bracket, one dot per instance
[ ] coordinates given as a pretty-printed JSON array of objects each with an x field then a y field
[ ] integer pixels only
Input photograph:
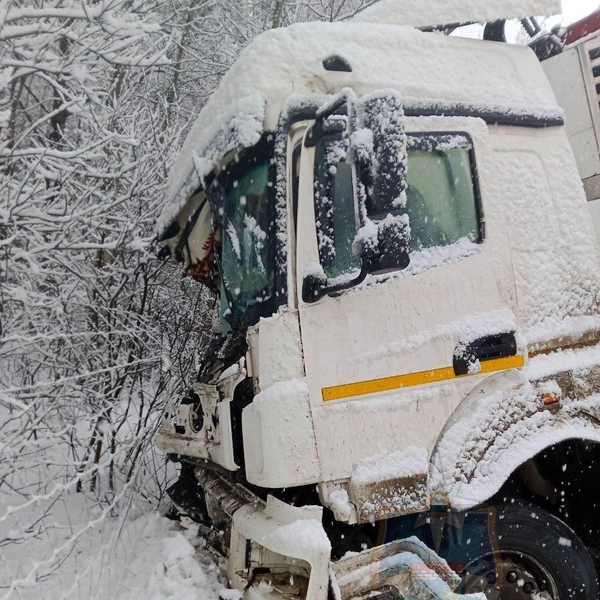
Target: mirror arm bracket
[
  {"x": 314, "y": 287},
  {"x": 317, "y": 130}
]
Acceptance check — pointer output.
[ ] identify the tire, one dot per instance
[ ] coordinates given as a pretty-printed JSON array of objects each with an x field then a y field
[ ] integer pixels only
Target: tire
[{"x": 512, "y": 551}]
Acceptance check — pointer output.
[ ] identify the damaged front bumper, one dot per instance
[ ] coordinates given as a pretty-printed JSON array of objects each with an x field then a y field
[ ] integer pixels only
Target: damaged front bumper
[{"x": 278, "y": 550}]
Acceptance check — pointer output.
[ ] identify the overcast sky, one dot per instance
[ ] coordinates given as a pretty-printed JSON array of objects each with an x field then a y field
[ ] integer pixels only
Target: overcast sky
[{"x": 575, "y": 9}]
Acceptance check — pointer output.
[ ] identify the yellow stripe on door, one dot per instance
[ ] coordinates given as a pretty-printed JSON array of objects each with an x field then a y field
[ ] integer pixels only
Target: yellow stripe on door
[{"x": 372, "y": 386}]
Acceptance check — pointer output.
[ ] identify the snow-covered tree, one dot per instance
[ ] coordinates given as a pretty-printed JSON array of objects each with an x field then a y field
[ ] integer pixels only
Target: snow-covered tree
[{"x": 95, "y": 99}]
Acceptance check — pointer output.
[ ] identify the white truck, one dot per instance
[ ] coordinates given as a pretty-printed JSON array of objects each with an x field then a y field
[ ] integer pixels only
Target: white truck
[{"x": 405, "y": 398}]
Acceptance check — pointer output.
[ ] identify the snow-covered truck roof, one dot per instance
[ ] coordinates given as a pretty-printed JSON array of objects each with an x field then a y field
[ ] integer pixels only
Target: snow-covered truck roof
[{"x": 285, "y": 65}]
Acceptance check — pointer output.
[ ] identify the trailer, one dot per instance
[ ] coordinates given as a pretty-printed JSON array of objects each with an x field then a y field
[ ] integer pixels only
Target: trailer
[
  {"x": 574, "y": 74},
  {"x": 404, "y": 401}
]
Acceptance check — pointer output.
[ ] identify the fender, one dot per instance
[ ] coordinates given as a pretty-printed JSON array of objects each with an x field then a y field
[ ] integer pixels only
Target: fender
[{"x": 505, "y": 421}]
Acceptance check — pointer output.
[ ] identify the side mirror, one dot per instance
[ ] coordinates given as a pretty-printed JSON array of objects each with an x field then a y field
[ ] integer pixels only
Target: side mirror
[
  {"x": 378, "y": 145},
  {"x": 375, "y": 146},
  {"x": 382, "y": 247},
  {"x": 380, "y": 154}
]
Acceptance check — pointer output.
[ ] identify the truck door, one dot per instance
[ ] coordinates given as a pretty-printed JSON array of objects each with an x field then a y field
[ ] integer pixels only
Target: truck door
[{"x": 381, "y": 357}]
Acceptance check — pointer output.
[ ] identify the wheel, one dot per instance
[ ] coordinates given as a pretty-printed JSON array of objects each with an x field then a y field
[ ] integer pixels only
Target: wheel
[
  {"x": 512, "y": 551},
  {"x": 533, "y": 554}
]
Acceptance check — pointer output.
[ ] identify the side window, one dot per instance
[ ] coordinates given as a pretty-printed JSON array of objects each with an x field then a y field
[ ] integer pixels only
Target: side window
[
  {"x": 442, "y": 199},
  {"x": 442, "y": 204},
  {"x": 335, "y": 205}
]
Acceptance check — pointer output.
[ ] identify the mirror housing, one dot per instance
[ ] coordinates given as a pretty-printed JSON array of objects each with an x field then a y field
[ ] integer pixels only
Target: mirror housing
[
  {"x": 378, "y": 146},
  {"x": 379, "y": 150}
]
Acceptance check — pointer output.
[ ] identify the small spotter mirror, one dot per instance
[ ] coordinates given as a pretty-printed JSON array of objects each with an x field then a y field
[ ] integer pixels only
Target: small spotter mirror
[{"x": 384, "y": 246}]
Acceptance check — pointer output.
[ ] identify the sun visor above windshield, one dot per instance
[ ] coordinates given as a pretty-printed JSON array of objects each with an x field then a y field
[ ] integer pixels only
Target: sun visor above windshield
[
  {"x": 211, "y": 137},
  {"x": 430, "y": 13}
]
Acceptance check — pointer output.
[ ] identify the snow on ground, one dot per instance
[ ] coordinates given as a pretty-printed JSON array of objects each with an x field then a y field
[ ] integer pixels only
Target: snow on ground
[{"x": 143, "y": 556}]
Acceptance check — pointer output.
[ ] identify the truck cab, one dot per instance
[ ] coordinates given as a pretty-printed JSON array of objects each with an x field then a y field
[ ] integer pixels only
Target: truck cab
[{"x": 394, "y": 225}]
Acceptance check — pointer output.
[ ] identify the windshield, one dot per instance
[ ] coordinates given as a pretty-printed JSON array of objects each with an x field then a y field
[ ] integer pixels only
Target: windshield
[{"x": 246, "y": 255}]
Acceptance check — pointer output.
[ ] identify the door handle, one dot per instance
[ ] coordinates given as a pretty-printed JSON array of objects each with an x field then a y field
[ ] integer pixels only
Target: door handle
[{"x": 489, "y": 347}]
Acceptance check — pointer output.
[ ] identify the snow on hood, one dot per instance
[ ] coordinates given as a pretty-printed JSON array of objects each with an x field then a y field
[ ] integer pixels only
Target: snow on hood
[
  {"x": 422, "y": 13},
  {"x": 422, "y": 67}
]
